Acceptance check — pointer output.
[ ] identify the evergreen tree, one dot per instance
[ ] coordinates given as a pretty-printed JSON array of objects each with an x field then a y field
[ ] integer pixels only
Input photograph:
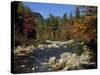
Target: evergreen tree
[
  {"x": 70, "y": 18},
  {"x": 65, "y": 17},
  {"x": 77, "y": 12}
]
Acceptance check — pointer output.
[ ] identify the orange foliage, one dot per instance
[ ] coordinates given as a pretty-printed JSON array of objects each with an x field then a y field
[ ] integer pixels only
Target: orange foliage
[{"x": 84, "y": 31}]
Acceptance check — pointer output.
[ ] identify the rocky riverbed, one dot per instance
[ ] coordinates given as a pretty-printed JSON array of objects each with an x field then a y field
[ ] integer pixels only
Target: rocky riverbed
[{"x": 51, "y": 56}]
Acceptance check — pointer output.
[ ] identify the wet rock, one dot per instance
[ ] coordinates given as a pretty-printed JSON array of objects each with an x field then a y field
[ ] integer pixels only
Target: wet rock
[
  {"x": 58, "y": 66},
  {"x": 85, "y": 47},
  {"x": 65, "y": 46},
  {"x": 22, "y": 54},
  {"x": 52, "y": 60},
  {"x": 33, "y": 68},
  {"x": 19, "y": 48},
  {"x": 23, "y": 66},
  {"x": 70, "y": 41},
  {"x": 65, "y": 54},
  {"x": 62, "y": 60},
  {"x": 85, "y": 56},
  {"x": 65, "y": 68},
  {"x": 41, "y": 46}
]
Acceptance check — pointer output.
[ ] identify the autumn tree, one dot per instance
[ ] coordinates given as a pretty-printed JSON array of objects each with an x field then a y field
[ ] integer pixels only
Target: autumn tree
[
  {"x": 24, "y": 24},
  {"x": 29, "y": 23},
  {"x": 85, "y": 28}
]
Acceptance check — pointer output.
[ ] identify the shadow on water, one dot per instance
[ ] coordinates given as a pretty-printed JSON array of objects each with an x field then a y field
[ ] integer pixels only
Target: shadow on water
[{"x": 46, "y": 53}]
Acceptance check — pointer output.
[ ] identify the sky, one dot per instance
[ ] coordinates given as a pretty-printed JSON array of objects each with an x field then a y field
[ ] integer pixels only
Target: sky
[{"x": 55, "y": 9}]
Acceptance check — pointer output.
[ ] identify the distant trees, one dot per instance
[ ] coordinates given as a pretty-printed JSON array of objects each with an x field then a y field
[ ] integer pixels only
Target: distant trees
[{"x": 89, "y": 10}]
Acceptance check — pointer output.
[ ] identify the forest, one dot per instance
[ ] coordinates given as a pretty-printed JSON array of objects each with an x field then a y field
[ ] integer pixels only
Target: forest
[{"x": 44, "y": 44}]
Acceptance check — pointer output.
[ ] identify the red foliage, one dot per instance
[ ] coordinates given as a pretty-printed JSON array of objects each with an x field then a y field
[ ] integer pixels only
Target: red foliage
[{"x": 29, "y": 23}]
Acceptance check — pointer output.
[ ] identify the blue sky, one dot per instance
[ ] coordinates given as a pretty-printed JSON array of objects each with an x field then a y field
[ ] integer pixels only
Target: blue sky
[{"x": 46, "y": 8}]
